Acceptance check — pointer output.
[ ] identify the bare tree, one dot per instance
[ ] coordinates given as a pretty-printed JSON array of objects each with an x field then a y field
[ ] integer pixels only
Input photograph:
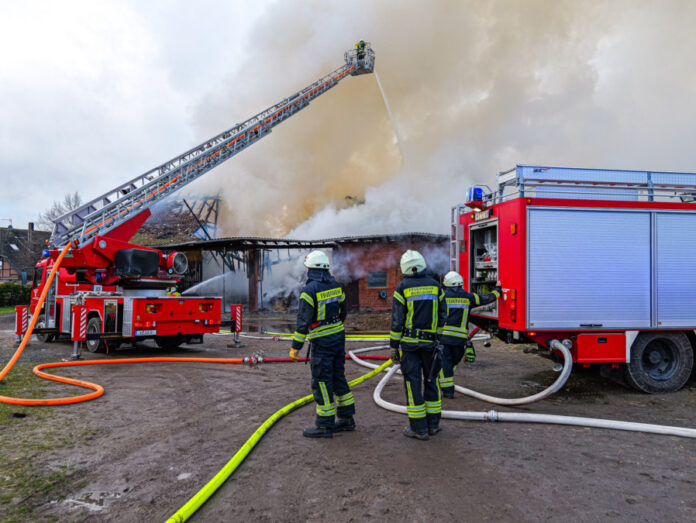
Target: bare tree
[{"x": 70, "y": 201}]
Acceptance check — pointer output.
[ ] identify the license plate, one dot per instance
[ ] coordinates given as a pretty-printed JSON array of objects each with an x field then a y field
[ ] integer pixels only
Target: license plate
[{"x": 145, "y": 333}]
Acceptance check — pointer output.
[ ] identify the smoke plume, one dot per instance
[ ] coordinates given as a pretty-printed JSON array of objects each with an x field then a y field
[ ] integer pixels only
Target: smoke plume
[{"x": 475, "y": 88}]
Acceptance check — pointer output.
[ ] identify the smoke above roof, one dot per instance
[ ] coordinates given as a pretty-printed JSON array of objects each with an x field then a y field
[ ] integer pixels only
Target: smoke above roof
[{"x": 474, "y": 88}]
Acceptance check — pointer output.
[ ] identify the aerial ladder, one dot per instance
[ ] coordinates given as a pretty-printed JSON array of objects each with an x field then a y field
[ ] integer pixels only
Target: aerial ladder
[
  {"x": 120, "y": 283},
  {"x": 110, "y": 210}
]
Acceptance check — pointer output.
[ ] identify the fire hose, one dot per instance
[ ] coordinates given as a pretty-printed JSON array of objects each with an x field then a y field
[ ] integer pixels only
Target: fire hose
[
  {"x": 493, "y": 415},
  {"x": 198, "y": 499},
  {"x": 98, "y": 390}
]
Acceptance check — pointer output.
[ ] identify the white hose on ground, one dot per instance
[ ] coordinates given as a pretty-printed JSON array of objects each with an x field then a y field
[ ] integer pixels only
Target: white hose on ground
[
  {"x": 554, "y": 387},
  {"x": 493, "y": 415}
]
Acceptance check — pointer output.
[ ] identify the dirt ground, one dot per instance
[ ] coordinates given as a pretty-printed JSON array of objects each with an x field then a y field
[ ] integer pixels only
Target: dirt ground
[{"x": 161, "y": 431}]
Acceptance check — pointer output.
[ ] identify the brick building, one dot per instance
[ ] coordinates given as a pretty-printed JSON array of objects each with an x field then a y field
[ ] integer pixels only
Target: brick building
[
  {"x": 20, "y": 249},
  {"x": 368, "y": 266}
]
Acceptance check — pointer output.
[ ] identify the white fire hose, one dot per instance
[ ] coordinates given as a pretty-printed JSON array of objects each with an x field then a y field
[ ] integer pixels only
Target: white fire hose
[{"x": 493, "y": 415}]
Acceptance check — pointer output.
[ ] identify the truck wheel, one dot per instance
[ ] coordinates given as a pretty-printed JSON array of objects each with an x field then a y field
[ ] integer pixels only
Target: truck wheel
[
  {"x": 169, "y": 342},
  {"x": 41, "y": 324},
  {"x": 94, "y": 327},
  {"x": 660, "y": 362}
]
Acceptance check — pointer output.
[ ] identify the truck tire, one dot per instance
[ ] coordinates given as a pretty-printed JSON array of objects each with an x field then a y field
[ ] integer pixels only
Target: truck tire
[
  {"x": 660, "y": 362},
  {"x": 94, "y": 326},
  {"x": 41, "y": 324},
  {"x": 169, "y": 342}
]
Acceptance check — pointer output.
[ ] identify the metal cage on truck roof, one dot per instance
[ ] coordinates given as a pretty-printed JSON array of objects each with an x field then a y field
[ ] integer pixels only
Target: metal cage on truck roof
[{"x": 595, "y": 184}]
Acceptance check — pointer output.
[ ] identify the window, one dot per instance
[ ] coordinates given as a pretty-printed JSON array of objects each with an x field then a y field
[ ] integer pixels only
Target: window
[
  {"x": 38, "y": 275},
  {"x": 377, "y": 280}
]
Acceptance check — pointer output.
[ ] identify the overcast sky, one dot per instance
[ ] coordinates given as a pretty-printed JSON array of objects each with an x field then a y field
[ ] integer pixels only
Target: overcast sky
[{"x": 94, "y": 93}]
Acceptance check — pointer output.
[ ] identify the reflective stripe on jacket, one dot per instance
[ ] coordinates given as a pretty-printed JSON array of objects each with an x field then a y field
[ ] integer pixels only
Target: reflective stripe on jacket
[
  {"x": 322, "y": 310},
  {"x": 418, "y": 305},
  {"x": 459, "y": 303}
]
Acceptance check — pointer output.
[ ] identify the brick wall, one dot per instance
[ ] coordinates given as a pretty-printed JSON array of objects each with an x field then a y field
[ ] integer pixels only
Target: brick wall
[{"x": 353, "y": 262}]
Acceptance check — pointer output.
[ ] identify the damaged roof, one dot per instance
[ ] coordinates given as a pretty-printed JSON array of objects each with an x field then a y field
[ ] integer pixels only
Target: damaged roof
[{"x": 241, "y": 243}]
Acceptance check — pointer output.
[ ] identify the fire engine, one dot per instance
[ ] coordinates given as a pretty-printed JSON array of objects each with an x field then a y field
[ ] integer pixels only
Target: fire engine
[
  {"x": 127, "y": 289},
  {"x": 602, "y": 257}
]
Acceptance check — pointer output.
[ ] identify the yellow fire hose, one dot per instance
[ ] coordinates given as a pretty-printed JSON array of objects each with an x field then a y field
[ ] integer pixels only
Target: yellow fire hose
[{"x": 209, "y": 489}]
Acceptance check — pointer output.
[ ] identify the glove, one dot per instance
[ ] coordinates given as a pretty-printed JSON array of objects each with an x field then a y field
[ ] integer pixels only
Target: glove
[
  {"x": 295, "y": 354},
  {"x": 395, "y": 355},
  {"x": 469, "y": 353}
]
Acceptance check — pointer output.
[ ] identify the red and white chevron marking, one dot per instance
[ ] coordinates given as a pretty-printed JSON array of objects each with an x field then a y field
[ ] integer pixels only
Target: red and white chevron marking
[
  {"x": 79, "y": 323},
  {"x": 236, "y": 315},
  {"x": 21, "y": 319}
]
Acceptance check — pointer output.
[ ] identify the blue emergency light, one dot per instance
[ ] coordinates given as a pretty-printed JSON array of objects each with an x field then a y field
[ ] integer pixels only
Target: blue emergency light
[
  {"x": 474, "y": 197},
  {"x": 45, "y": 253},
  {"x": 474, "y": 194}
]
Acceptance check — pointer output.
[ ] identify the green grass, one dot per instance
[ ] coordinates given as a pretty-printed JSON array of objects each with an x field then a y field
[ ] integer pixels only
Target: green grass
[
  {"x": 8, "y": 308},
  {"x": 26, "y": 482}
]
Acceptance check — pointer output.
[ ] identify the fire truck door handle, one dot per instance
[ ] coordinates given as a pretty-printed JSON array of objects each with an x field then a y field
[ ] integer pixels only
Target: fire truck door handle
[{"x": 591, "y": 324}]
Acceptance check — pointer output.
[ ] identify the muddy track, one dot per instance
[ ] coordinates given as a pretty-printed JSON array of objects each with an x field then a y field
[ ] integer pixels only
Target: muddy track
[{"x": 162, "y": 430}]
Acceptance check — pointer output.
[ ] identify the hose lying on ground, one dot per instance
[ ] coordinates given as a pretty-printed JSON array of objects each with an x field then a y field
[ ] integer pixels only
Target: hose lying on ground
[
  {"x": 202, "y": 495},
  {"x": 493, "y": 415}
]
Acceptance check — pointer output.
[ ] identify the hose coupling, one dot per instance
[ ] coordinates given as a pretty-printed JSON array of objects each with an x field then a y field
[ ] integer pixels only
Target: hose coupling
[{"x": 492, "y": 415}]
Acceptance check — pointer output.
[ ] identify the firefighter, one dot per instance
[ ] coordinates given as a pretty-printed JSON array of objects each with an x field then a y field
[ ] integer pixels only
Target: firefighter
[
  {"x": 418, "y": 315},
  {"x": 455, "y": 335},
  {"x": 360, "y": 47},
  {"x": 320, "y": 318}
]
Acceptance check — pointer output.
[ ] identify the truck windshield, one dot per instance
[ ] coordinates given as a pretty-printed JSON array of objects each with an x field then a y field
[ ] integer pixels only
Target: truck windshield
[{"x": 38, "y": 275}]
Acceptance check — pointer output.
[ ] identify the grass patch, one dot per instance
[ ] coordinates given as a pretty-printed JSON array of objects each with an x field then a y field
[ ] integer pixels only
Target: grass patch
[
  {"x": 26, "y": 481},
  {"x": 8, "y": 308}
]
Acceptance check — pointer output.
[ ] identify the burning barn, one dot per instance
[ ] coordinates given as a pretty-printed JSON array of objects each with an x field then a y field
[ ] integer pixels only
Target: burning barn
[{"x": 268, "y": 272}]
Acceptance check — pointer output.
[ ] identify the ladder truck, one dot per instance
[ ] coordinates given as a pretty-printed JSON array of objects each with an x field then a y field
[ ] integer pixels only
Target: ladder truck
[
  {"x": 123, "y": 290},
  {"x": 601, "y": 257}
]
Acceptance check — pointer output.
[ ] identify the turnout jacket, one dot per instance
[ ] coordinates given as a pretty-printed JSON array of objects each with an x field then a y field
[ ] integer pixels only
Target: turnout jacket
[
  {"x": 321, "y": 312},
  {"x": 418, "y": 312},
  {"x": 459, "y": 302}
]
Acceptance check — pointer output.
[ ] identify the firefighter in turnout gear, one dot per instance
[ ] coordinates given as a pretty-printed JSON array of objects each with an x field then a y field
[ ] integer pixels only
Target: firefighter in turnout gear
[
  {"x": 322, "y": 311},
  {"x": 418, "y": 315},
  {"x": 360, "y": 47},
  {"x": 455, "y": 335}
]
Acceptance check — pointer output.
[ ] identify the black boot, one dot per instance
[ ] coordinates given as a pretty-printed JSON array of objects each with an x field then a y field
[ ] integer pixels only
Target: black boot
[
  {"x": 418, "y": 435},
  {"x": 344, "y": 424},
  {"x": 434, "y": 430},
  {"x": 448, "y": 393},
  {"x": 318, "y": 432}
]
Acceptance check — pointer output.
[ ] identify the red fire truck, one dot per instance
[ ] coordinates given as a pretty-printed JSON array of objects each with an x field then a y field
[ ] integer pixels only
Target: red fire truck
[
  {"x": 600, "y": 257},
  {"x": 127, "y": 289}
]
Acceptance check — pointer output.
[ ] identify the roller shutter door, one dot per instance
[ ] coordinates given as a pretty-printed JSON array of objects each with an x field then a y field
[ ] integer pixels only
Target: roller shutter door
[
  {"x": 588, "y": 267},
  {"x": 676, "y": 269}
]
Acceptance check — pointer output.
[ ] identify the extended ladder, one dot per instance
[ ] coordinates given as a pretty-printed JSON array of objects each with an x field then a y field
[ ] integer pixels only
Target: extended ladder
[{"x": 121, "y": 204}]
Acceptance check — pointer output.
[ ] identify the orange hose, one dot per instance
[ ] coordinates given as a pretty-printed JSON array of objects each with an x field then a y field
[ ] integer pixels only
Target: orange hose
[
  {"x": 36, "y": 314},
  {"x": 98, "y": 389}
]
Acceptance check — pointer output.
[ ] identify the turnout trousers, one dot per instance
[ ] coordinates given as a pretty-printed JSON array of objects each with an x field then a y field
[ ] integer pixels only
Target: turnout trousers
[
  {"x": 451, "y": 356},
  {"x": 328, "y": 380},
  {"x": 423, "y": 397}
]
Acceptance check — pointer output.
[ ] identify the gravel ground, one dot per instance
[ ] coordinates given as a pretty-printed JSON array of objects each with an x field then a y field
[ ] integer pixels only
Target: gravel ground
[{"x": 161, "y": 431}]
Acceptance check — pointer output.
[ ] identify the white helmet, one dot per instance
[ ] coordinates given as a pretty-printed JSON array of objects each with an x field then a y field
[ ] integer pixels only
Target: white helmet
[
  {"x": 453, "y": 279},
  {"x": 412, "y": 261},
  {"x": 316, "y": 260}
]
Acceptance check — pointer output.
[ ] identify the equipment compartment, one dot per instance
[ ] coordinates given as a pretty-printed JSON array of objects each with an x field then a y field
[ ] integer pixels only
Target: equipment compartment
[{"x": 483, "y": 263}]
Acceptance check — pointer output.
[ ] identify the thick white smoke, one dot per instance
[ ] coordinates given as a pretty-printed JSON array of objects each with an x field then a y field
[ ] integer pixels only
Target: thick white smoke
[{"x": 476, "y": 87}]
